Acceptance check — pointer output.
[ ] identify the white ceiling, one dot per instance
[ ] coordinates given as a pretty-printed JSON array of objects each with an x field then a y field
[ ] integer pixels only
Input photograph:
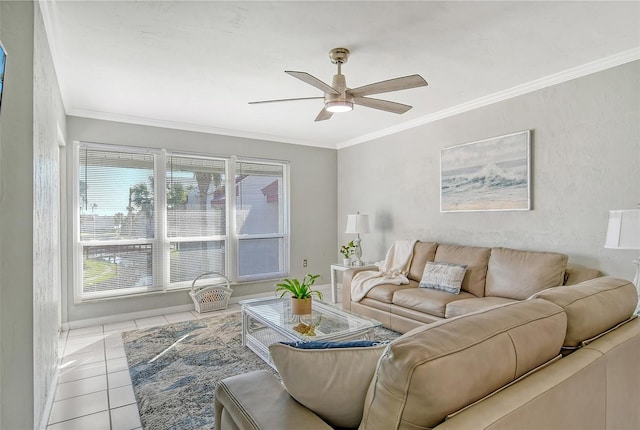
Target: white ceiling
[{"x": 195, "y": 65}]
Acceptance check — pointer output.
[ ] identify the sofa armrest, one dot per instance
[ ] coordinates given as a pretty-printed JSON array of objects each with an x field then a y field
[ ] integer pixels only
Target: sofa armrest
[
  {"x": 575, "y": 274},
  {"x": 346, "y": 285},
  {"x": 257, "y": 401}
]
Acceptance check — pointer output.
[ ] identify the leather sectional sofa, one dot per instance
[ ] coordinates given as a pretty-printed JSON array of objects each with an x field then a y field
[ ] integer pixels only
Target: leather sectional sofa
[
  {"x": 498, "y": 368},
  {"x": 494, "y": 276}
]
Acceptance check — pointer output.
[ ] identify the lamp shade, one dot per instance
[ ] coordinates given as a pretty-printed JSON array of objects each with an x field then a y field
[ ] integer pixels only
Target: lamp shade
[
  {"x": 623, "y": 231},
  {"x": 357, "y": 223}
]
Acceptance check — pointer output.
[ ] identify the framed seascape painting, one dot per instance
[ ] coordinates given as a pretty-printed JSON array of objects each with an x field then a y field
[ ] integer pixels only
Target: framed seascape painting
[{"x": 488, "y": 175}]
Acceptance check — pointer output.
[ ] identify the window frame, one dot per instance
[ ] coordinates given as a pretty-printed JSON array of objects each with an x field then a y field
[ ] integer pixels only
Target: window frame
[{"x": 161, "y": 242}]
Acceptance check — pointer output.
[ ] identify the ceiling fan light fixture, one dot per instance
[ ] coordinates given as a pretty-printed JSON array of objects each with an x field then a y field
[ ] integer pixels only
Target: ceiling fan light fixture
[{"x": 338, "y": 106}]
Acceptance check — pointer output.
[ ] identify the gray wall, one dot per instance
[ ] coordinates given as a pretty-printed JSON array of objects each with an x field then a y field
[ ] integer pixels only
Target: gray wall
[
  {"x": 585, "y": 162},
  {"x": 16, "y": 205},
  {"x": 313, "y": 204},
  {"x": 29, "y": 261}
]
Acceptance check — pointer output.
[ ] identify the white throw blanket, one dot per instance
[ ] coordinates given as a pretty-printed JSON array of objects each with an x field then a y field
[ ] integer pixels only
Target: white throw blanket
[{"x": 393, "y": 270}]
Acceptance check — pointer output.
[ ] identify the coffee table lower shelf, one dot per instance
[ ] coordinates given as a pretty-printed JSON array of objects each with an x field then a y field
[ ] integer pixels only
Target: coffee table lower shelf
[{"x": 263, "y": 323}]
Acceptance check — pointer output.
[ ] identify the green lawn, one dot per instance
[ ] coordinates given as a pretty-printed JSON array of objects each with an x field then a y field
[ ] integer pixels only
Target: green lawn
[{"x": 98, "y": 271}]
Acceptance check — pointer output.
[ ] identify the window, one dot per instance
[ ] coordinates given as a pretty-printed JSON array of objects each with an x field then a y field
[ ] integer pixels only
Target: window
[
  {"x": 151, "y": 220},
  {"x": 260, "y": 220}
]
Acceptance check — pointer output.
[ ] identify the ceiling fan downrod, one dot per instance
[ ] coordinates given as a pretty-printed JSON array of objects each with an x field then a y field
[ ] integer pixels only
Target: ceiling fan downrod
[{"x": 342, "y": 102}]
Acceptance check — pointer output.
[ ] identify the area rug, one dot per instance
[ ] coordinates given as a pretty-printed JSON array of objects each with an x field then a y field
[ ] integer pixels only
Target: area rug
[{"x": 174, "y": 368}]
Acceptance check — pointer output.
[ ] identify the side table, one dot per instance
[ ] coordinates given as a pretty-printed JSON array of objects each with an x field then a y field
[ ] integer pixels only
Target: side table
[{"x": 341, "y": 268}]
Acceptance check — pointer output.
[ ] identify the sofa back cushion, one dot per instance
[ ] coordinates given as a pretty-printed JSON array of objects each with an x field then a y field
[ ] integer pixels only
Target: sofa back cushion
[
  {"x": 475, "y": 258},
  {"x": 422, "y": 252},
  {"x": 439, "y": 368},
  {"x": 593, "y": 307},
  {"x": 518, "y": 274}
]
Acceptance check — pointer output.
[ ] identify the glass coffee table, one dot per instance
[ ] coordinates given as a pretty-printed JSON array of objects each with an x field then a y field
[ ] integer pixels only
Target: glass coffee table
[{"x": 267, "y": 321}]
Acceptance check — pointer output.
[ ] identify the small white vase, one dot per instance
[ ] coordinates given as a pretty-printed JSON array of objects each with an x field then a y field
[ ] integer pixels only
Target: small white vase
[{"x": 346, "y": 262}]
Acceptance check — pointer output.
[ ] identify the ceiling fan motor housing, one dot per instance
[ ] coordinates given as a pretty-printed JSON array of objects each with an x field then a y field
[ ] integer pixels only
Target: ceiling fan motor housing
[{"x": 342, "y": 102}]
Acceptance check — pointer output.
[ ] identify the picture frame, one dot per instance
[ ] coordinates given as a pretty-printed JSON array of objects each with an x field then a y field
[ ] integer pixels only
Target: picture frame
[{"x": 487, "y": 175}]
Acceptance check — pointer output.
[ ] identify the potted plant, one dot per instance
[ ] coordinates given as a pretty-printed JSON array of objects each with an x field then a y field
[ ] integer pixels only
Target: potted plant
[
  {"x": 347, "y": 251},
  {"x": 301, "y": 293}
]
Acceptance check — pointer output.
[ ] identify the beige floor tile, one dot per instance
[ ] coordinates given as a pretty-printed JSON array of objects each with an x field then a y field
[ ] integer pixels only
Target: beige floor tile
[
  {"x": 81, "y": 387},
  {"x": 117, "y": 365},
  {"x": 85, "y": 332},
  {"x": 125, "y": 418},
  {"x": 115, "y": 352},
  {"x": 113, "y": 340},
  {"x": 81, "y": 372},
  {"x": 78, "y": 406},
  {"x": 119, "y": 379},
  {"x": 121, "y": 396},
  {"x": 80, "y": 359},
  {"x": 84, "y": 346},
  {"x": 99, "y": 421}
]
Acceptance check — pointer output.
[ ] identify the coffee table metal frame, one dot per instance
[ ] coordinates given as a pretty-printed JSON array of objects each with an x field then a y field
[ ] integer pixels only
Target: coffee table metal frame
[{"x": 267, "y": 321}]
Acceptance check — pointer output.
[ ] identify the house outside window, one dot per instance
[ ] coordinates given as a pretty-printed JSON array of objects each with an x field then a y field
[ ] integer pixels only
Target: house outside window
[{"x": 153, "y": 220}]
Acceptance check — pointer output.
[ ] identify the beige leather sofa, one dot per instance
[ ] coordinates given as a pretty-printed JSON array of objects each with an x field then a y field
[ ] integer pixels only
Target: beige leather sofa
[
  {"x": 494, "y": 276},
  {"x": 497, "y": 368}
]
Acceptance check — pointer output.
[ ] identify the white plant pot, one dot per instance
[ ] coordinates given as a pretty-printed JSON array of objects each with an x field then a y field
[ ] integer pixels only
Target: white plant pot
[{"x": 346, "y": 262}]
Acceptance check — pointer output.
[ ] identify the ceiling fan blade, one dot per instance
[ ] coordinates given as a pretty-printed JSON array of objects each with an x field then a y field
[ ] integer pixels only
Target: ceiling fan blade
[
  {"x": 285, "y": 100},
  {"x": 384, "y": 105},
  {"x": 323, "y": 115},
  {"x": 404, "y": 83},
  {"x": 313, "y": 81}
]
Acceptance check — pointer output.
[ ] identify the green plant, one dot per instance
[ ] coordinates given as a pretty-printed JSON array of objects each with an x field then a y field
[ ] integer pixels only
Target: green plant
[
  {"x": 348, "y": 249},
  {"x": 297, "y": 289}
]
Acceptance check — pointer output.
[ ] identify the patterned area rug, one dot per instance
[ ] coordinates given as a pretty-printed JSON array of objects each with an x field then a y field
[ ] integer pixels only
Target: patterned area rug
[{"x": 175, "y": 368}]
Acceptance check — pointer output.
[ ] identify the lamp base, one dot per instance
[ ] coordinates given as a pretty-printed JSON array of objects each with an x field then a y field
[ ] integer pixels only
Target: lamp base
[{"x": 358, "y": 253}]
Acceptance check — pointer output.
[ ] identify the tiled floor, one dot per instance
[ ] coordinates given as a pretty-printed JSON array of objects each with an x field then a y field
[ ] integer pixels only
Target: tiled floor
[{"x": 94, "y": 388}]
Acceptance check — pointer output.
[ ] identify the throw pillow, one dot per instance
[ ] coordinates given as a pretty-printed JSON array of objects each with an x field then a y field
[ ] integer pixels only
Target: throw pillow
[
  {"x": 330, "y": 380},
  {"x": 443, "y": 276}
]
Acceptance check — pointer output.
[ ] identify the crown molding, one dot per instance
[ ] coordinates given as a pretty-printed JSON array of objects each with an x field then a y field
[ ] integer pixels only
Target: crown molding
[
  {"x": 175, "y": 125},
  {"x": 547, "y": 81}
]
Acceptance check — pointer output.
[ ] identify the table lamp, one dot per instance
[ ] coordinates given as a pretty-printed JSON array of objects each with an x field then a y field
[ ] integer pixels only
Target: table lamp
[
  {"x": 356, "y": 224},
  {"x": 623, "y": 232}
]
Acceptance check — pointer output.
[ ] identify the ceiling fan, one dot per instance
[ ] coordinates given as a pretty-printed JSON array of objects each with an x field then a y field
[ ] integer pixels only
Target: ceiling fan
[{"x": 339, "y": 98}]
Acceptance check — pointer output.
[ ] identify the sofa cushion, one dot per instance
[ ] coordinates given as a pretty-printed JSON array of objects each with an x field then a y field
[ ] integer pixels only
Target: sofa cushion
[
  {"x": 445, "y": 277},
  {"x": 437, "y": 369},
  {"x": 384, "y": 292},
  {"x": 425, "y": 300},
  {"x": 475, "y": 258},
  {"x": 593, "y": 307},
  {"x": 518, "y": 274},
  {"x": 422, "y": 252},
  {"x": 332, "y": 382},
  {"x": 466, "y": 306}
]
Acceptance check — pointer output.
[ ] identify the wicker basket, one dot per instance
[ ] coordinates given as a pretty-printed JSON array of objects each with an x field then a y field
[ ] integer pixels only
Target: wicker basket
[{"x": 212, "y": 296}]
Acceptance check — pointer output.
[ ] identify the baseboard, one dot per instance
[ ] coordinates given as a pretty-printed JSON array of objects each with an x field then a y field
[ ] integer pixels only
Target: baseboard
[{"x": 110, "y": 319}]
